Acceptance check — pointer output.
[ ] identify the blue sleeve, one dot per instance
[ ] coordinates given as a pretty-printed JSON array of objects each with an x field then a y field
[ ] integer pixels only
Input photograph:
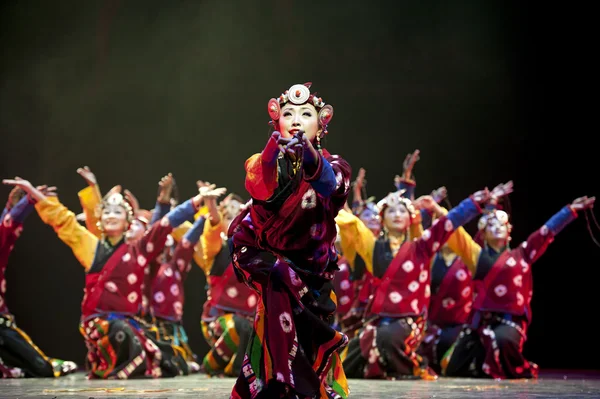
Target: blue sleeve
[
  {"x": 323, "y": 180},
  {"x": 193, "y": 234},
  {"x": 4, "y": 212},
  {"x": 426, "y": 218},
  {"x": 160, "y": 210},
  {"x": 181, "y": 213},
  {"x": 559, "y": 221},
  {"x": 20, "y": 211},
  {"x": 408, "y": 187},
  {"x": 463, "y": 213}
]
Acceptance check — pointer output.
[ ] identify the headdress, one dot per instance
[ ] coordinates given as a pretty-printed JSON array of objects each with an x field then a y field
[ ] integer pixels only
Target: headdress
[
  {"x": 395, "y": 199},
  {"x": 300, "y": 94},
  {"x": 499, "y": 215}
]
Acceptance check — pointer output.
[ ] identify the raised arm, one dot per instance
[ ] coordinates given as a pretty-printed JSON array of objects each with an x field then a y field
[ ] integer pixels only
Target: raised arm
[
  {"x": 356, "y": 238},
  {"x": 443, "y": 227},
  {"x": 261, "y": 170},
  {"x": 407, "y": 181},
  {"x": 90, "y": 198},
  {"x": 63, "y": 221},
  {"x": 537, "y": 242}
]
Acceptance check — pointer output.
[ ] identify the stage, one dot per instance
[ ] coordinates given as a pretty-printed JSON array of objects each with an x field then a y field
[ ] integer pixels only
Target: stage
[{"x": 555, "y": 384}]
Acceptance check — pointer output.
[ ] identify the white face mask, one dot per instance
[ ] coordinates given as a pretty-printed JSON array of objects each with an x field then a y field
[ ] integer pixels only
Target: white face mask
[
  {"x": 114, "y": 219},
  {"x": 496, "y": 230},
  {"x": 136, "y": 231}
]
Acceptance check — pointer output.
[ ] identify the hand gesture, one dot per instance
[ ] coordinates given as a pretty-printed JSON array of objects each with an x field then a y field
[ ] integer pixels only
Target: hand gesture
[
  {"x": 409, "y": 163},
  {"x": 22, "y": 184},
  {"x": 15, "y": 196},
  {"x": 210, "y": 192},
  {"x": 47, "y": 191},
  {"x": 165, "y": 187},
  {"x": 425, "y": 202},
  {"x": 481, "y": 196},
  {"x": 439, "y": 194},
  {"x": 502, "y": 190},
  {"x": 87, "y": 175},
  {"x": 360, "y": 181},
  {"x": 583, "y": 203}
]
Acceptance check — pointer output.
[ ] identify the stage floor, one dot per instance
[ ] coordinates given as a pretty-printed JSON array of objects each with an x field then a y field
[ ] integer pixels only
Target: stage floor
[{"x": 554, "y": 384}]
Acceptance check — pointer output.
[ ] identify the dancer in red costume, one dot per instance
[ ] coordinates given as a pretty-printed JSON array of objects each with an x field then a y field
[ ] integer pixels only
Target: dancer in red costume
[{"x": 283, "y": 246}]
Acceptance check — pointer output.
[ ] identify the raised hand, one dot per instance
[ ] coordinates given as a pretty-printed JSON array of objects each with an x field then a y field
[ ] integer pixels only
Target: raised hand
[
  {"x": 135, "y": 205},
  {"x": 439, "y": 194},
  {"x": 15, "y": 196},
  {"x": 87, "y": 175},
  {"x": 205, "y": 188},
  {"x": 481, "y": 196},
  {"x": 409, "y": 163},
  {"x": 165, "y": 187},
  {"x": 47, "y": 191},
  {"x": 213, "y": 193},
  {"x": 425, "y": 202},
  {"x": 26, "y": 186},
  {"x": 22, "y": 184},
  {"x": 583, "y": 203},
  {"x": 502, "y": 190},
  {"x": 360, "y": 181}
]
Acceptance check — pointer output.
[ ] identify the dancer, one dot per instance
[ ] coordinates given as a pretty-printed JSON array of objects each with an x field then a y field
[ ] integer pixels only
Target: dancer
[
  {"x": 19, "y": 356},
  {"x": 283, "y": 246}
]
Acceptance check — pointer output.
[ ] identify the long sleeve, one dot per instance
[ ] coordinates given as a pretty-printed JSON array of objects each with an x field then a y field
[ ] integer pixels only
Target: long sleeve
[
  {"x": 409, "y": 187},
  {"x": 211, "y": 243},
  {"x": 179, "y": 232},
  {"x": 356, "y": 237},
  {"x": 538, "y": 241},
  {"x": 160, "y": 210},
  {"x": 153, "y": 241},
  {"x": 193, "y": 234},
  {"x": 416, "y": 226},
  {"x": 322, "y": 178},
  {"x": 21, "y": 210},
  {"x": 181, "y": 213},
  {"x": 89, "y": 198},
  {"x": 342, "y": 172},
  {"x": 63, "y": 221},
  {"x": 442, "y": 228},
  {"x": 261, "y": 176},
  {"x": 462, "y": 244}
]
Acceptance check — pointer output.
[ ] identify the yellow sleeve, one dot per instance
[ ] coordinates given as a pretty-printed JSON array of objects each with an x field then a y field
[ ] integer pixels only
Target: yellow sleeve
[
  {"x": 63, "y": 221},
  {"x": 178, "y": 234},
  {"x": 90, "y": 197},
  {"x": 461, "y": 243},
  {"x": 356, "y": 237},
  {"x": 211, "y": 243},
  {"x": 416, "y": 227},
  {"x": 180, "y": 230}
]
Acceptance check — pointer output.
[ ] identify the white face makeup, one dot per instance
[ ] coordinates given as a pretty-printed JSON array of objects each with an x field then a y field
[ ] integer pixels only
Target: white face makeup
[
  {"x": 113, "y": 219},
  {"x": 372, "y": 220},
  {"x": 396, "y": 218},
  {"x": 136, "y": 231},
  {"x": 496, "y": 230},
  {"x": 299, "y": 117}
]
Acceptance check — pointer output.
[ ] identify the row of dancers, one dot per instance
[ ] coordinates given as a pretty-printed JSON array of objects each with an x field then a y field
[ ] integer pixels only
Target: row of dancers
[{"x": 306, "y": 287}]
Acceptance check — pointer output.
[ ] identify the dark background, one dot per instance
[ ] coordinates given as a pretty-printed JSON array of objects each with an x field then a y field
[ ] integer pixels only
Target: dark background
[{"x": 487, "y": 90}]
